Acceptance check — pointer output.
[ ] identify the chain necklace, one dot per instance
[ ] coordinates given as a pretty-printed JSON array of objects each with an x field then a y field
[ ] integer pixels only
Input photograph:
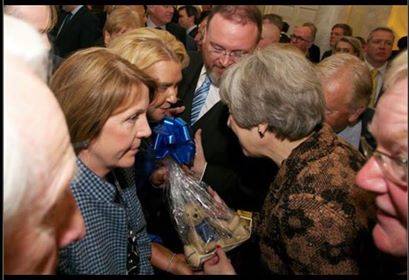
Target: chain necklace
[{"x": 133, "y": 258}]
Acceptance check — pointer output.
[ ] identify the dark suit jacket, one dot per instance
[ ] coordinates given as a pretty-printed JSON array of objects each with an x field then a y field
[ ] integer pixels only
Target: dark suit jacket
[
  {"x": 314, "y": 53},
  {"x": 177, "y": 31},
  {"x": 241, "y": 181},
  {"x": 81, "y": 31},
  {"x": 193, "y": 32},
  {"x": 326, "y": 54}
]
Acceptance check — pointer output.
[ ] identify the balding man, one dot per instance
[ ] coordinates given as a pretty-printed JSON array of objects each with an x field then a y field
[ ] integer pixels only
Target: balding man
[
  {"x": 302, "y": 38},
  {"x": 347, "y": 85},
  {"x": 40, "y": 214}
]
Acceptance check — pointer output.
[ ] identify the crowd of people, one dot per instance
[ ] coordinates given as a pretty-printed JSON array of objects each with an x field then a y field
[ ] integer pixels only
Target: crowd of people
[{"x": 315, "y": 148}]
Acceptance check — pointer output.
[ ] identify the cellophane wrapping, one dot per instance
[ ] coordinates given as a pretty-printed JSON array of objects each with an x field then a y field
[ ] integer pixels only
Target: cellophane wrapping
[{"x": 201, "y": 218}]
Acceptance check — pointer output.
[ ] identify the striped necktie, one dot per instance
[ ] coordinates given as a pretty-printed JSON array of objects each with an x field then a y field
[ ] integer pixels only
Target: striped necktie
[
  {"x": 374, "y": 76},
  {"x": 199, "y": 99}
]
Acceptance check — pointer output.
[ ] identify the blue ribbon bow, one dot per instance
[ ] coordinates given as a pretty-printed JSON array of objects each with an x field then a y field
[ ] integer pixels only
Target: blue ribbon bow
[{"x": 172, "y": 138}]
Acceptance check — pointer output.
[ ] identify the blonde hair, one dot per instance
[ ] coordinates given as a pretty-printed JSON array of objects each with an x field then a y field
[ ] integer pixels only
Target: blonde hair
[
  {"x": 90, "y": 86},
  {"x": 122, "y": 17},
  {"x": 355, "y": 44},
  {"x": 146, "y": 46}
]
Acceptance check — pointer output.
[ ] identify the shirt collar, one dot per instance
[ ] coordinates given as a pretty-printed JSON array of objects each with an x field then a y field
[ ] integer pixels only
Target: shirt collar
[
  {"x": 190, "y": 29},
  {"x": 381, "y": 69},
  {"x": 93, "y": 184},
  {"x": 73, "y": 12},
  {"x": 149, "y": 23}
]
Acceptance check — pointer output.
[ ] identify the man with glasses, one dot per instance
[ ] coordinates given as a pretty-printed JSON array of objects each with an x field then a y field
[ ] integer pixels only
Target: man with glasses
[
  {"x": 302, "y": 38},
  {"x": 231, "y": 32},
  {"x": 386, "y": 172}
]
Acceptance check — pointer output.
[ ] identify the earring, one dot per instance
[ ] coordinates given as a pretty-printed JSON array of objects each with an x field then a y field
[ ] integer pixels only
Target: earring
[{"x": 261, "y": 134}]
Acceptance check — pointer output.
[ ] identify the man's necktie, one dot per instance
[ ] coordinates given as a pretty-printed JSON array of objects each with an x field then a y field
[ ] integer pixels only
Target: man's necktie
[
  {"x": 374, "y": 75},
  {"x": 199, "y": 99},
  {"x": 64, "y": 22}
]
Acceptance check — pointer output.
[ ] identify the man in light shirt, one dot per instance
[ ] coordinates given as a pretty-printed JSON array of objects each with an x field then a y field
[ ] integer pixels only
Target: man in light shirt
[{"x": 378, "y": 50}]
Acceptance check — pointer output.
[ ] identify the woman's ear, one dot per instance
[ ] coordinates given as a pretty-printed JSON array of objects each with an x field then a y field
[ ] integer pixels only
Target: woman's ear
[{"x": 262, "y": 129}]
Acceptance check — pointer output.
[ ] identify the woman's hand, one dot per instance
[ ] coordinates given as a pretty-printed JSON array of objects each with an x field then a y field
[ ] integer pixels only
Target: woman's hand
[
  {"x": 179, "y": 266},
  {"x": 218, "y": 264}
]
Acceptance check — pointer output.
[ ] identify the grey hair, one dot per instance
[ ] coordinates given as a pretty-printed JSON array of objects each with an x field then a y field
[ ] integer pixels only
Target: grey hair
[
  {"x": 350, "y": 69},
  {"x": 26, "y": 43},
  {"x": 276, "y": 86},
  {"x": 398, "y": 70}
]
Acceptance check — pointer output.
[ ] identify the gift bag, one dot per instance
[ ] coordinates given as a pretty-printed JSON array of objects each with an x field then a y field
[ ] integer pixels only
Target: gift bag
[{"x": 201, "y": 218}]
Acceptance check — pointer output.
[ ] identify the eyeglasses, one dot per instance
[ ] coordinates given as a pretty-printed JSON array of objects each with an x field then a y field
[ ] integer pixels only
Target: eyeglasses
[
  {"x": 219, "y": 51},
  {"x": 298, "y": 38},
  {"x": 394, "y": 168}
]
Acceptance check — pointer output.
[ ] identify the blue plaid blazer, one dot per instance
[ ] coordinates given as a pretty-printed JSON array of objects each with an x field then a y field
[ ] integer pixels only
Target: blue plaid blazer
[{"x": 104, "y": 248}]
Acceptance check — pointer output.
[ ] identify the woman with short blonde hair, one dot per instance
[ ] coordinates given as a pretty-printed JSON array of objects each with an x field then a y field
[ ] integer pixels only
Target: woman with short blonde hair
[
  {"x": 159, "y": 54},
  {"x": 120, "y": 21}
]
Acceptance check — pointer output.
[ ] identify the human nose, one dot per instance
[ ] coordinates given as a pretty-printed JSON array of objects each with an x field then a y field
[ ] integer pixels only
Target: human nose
[
  {"x": 371, "y": 178},
  {"x": 144, "y": 130},
  {"x": 172, "y": 95},
  {"x": 226, "y": 59}
]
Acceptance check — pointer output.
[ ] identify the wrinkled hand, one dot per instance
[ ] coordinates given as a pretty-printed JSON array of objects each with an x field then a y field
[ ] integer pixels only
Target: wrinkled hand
[
  {"x": 218, "y": 264},
  {"x": 172, "y": 112},
  {"x": 180, "y": 266},
  {"x": 199, "y": 162}
]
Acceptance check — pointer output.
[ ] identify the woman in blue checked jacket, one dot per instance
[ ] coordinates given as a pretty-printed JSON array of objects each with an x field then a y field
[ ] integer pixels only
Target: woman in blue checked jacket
[{"x": 105, "y": 99}]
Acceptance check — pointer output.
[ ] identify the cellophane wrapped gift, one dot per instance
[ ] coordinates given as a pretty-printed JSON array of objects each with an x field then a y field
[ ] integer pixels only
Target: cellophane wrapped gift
[{"x": 201, "y": 218}]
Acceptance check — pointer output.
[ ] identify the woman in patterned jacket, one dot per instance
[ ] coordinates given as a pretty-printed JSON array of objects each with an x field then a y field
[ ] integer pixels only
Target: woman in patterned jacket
[
  {"x": 105, "y": 99},
  {"x": 315, "y": 220}
]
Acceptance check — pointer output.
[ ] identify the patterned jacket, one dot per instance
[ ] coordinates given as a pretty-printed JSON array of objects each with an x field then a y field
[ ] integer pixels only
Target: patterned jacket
[
  {"x": 104, "y": 248},
  {"x": 315, "y": 220}
]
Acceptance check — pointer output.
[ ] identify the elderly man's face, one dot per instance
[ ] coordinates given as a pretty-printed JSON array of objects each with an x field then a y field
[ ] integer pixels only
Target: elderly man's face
[
  {"x": 50, "y": 218},
  {"x": 338, "y": 95},
  {"x": 269, "y": 35},
  {"x": 224, "y": 43},
  {"x": 301, "y": 38},
  {"x": 385, "y": 174},
  {"x": 162, "y": 14},
  {"x": 379, "y": 47}
]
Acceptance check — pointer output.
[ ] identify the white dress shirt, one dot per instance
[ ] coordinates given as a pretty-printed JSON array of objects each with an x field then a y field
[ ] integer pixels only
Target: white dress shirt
[{"x": 212, "y": 97}]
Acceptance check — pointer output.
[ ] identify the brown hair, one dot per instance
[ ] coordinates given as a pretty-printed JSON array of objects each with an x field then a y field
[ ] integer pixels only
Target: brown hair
[
  {"x": 90, "y": 86},
  {"x": 240, "y": 14}
]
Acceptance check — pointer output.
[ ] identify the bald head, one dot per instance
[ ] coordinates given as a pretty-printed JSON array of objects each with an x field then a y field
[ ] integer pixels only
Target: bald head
[
  {"x": 24, "y": 42},
  {"x": 39, "y": 16}
]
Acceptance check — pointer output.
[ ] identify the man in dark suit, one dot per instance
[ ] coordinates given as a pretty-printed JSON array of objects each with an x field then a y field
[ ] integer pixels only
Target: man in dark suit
[
  {"x": 160, "y": 16},
  {"x": 338, "y": 30},
  {"x": 77, "y": 29},
  {"x": 188, "y": 16},
  {"x": 231, "y": 32}
]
